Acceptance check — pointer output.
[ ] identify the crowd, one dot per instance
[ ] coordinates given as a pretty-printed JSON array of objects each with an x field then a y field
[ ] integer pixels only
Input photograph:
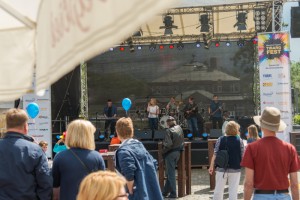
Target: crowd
[{"x": 78, "y": 171}]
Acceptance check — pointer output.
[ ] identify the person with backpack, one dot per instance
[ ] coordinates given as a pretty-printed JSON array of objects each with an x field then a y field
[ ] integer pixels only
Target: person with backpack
[{"x": 226, "y": 160}]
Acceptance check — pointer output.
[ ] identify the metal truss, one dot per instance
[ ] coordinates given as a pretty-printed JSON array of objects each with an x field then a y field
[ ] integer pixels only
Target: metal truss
[
  {"x": 256, "y": 83},
  {"x": 83, "y": 92},
  {"x": 277, "y": 16},
  {"x": 191, "y": 38}
]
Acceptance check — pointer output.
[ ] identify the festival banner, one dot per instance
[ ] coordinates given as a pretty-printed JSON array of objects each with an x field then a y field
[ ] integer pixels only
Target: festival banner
[
  {"x": 275, "y": 82},
  {"x": 40, "y": 126}
]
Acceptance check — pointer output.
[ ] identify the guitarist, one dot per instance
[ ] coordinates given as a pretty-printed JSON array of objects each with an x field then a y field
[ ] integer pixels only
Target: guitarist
[
  {"x": 190, "y": 113},
  {"x": 215, "y": 112}
]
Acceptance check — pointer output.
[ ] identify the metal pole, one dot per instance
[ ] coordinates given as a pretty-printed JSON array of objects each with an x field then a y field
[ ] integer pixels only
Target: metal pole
[{"x": 273, "y": 16}]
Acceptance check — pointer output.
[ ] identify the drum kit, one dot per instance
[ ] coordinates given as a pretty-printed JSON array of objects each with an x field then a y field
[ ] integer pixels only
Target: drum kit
[{"x": 176, "y": 113}]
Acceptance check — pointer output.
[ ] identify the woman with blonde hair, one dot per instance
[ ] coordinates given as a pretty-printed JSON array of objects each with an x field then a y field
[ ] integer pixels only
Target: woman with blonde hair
[
  {"x": 103, "y": 185},
  {"x": 80, "y": 159},
  {"x": 252, "y": 134},
  {"x": 234, "y": 145},
  {"x": 153, "y": 112}
]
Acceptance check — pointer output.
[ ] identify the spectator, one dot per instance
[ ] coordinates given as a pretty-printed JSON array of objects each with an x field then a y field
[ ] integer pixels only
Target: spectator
[
  {"x": 235, "y": 148},
  {"x": 252, "y": 134},
  {"x": 135, "y": 163},
  {"x": 269, "y": 161},
  {"x": 60, "y": 144},
  {"x": 172, "y": 145},
  {"x": 72, "y": 165},
  {"x": 24, "y": 171},
  {"x": 44, "y": 146},
  {"x": 102, "y": 185}
]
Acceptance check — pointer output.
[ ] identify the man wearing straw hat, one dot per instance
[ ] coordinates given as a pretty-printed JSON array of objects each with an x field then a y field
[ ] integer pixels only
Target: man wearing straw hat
[{"x": 269, "y": 161}]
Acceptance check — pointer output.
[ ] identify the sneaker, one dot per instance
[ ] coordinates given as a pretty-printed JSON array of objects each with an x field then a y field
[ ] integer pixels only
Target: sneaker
[{"x": 165, "y": 194}]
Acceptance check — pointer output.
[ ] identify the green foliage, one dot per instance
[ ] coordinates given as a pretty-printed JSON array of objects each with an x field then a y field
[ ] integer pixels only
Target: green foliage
[
  {"x": 295, "y": 75},
  {"x": 297, "y": 119}
]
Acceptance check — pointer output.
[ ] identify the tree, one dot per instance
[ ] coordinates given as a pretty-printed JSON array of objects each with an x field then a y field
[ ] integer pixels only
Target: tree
[{"x": 295, "y": 82}]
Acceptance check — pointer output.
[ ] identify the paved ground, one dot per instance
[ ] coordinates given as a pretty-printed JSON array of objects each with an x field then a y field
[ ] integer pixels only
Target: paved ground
[{"x": 201, "y": 190}]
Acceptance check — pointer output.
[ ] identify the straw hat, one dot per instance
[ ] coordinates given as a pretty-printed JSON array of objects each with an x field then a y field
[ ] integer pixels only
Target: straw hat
[{"x": 270, "y": 119}]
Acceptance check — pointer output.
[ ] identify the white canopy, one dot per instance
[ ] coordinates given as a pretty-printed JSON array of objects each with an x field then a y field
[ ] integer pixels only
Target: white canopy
[{"x": 56, "y": 35}]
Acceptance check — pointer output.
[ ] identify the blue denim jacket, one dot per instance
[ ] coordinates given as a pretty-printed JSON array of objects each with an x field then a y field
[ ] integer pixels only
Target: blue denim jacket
[
  {"x": 134, "y": 162},
  {"x": 24, "y": 171}
]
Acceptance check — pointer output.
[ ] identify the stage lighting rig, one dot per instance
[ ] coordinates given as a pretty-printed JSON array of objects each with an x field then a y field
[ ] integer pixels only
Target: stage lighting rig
[
  {"x": 180, "y": 45},
  {"x": 260, "y": 18},
  {"x": 204, "y": 23},
  {"x": 241, "y": 42},
  {"x": 217, "y": 43},
  {"x": 152, "y": 47},
  {"x": 198, "y": 44},
  {"x": 241, "y": 21},
  {"x": 168, "y": 21}
]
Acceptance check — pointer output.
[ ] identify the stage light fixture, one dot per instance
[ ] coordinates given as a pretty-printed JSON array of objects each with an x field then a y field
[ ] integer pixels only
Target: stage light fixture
[
  {"x": 228, "y": 44},
  {"x": 260, "y": 16},
  {"x": 190, "y": 136},
  {"x": 168, "y": 21},
  {"x": 204, "y": 23},
  {"x": 152, "y": 47},
  {"x": 204, "y": 136},
  {"x": 241, "y": 21},
  {"x": 101, "y": 138},
  {"x": 198, "y": 44},
  {"x": 241, "y": 42},
  {"x": 171, "y": 46},
  {"x": 254, "y": 40},
  {"x": 111, "y": 49},
  {"x": 122, "y": 48},
  {"x": 217, "y": 43},
  {"x": 161, "y": 46},
  {"x": 111, "y": 136},
  {"x": 139, "y": 47},
  {"x": 180, "y": 46}
]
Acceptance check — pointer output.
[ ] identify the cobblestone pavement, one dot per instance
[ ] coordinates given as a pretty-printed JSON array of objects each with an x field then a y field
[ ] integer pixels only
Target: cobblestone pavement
[{"x": 200, "y": 186}]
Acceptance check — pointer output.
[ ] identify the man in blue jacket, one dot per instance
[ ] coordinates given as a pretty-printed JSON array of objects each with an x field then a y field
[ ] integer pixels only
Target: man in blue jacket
[
  {"x": 135, "y": 163},
  {"x": 24, "y": 171}
]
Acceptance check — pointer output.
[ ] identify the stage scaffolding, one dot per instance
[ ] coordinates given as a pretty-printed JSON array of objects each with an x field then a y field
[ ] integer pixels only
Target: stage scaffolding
[{"x": 83, "y": 92}]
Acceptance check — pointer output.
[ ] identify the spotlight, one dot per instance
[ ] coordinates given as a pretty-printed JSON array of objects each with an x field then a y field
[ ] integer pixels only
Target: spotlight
[
  {"x": 152, "y": 47},
  {"x": 101, "y": 138},
  {"x": 122, "y": 48},
  {"x": 254, "y": 40},
  {"x": 161, "y": 46},
  {"x": 139, "y": 47},
  {"x": 204, "y": 21},
  {"x": 111, "y": 49},
  {"x": 204, "y": 136},
  {"x": 198, "y": 44},
  {"x": 111, "y": 136},
  {"x": 228, "y": 44},
  {"x": 180, "y": 46},
  {"x": 241, "y": 42},
  {"x": 241, "y": 21},
  {"x": 171, "y": 46},
  {"x": 217, "y": 43},
  {"x": 190, "y": 136},
  {"x": 260, "y": 19},
  {"x": 168, "y": 21}
]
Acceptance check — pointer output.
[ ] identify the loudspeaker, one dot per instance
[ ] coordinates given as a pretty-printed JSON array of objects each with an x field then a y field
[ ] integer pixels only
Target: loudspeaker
[
  {"x": 199, "y": 157},
  {"x": 159, "y": 134},
  {"x": 215, "y": 133},
  {"x": 295, "y": 22},
  {"x": 143, "y": 134}
]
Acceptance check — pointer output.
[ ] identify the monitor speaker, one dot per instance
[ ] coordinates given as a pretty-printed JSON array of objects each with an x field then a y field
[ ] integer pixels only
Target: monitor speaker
[
  {"x": 159, "y": 134},
  {"x": 215, "y": 133},
  {"x": 295, "y": 22},
  {"x": 143, "y": 134}
]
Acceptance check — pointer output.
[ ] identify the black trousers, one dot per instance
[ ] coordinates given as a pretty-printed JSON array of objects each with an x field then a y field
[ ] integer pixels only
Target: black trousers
[
  {"x": 112, "y": 124},
  {"x": 215, "y": 120}
]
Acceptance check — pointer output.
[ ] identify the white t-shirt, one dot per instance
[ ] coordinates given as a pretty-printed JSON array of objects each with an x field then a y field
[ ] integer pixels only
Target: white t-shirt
[{"x": 153, "y": 109}]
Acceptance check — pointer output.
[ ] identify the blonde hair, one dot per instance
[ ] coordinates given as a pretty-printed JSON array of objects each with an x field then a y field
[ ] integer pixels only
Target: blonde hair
[
  {"x": 16, "y": 118},
  {"x": 153, "y": 101},
  {"x": 253, "y": 133},
  {"x": 80, "y": 134},
  {"x": 232, "y": 128},
  {"x": 101, "y": 185},
  {"x": 124, "y": 128}
]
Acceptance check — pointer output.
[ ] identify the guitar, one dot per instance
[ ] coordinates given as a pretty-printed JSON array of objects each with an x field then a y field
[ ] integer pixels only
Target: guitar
[
  {"x": 211, "y": 114},
  {"x": 189, "y": 112}
]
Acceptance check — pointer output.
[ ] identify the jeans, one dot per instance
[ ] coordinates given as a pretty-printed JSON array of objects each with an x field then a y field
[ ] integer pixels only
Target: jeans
[
  {"x": 233, "y": 184},
  {"x": 170, "y": 161},
  {"x": 282, "y": 196},
  {"x": 193, "y": 126},
  {"x": 153, "y": 123},
  {"x": 112, "y": 124},
  {"x": 215, "y": 120}
]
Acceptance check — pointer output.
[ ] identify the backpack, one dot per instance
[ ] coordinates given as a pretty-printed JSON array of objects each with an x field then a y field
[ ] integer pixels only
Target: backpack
[{"x": 222, "y": 157}]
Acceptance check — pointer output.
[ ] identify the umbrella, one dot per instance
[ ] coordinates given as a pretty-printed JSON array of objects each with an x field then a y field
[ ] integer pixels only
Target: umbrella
[{"x": 50, "y": 38}]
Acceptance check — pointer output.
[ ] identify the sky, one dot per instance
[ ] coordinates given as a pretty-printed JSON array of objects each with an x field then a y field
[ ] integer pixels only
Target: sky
[{"x": 294, "y": 42}]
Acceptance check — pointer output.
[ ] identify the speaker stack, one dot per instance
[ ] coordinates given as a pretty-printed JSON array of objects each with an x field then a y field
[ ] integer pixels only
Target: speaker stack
[{"x": 295, "y": 22}]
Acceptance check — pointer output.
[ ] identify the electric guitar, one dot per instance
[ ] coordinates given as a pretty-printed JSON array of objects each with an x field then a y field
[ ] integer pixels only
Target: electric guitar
[
  {"x": 211, "y": 114},
  {"x": 189, "y": 112}
]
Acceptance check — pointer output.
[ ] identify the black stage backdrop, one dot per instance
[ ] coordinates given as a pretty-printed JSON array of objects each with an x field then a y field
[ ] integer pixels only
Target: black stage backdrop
[{"x": 198, "y": 72}]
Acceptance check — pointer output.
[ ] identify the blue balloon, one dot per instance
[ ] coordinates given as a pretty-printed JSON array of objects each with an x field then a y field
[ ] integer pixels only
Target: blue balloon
[
  {"x": 126, "y": 103},
  {"x": 33, "y": 110}
]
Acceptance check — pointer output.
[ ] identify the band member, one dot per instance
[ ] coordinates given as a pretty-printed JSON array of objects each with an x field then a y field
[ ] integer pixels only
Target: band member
[
  {"x": 153, "y": 111},
  {"x": 172, "y": 107},
  {"x": 190, "y": 113},
  {"x": 110, "y": 113},
  {"x": 215, "y": 112}
]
